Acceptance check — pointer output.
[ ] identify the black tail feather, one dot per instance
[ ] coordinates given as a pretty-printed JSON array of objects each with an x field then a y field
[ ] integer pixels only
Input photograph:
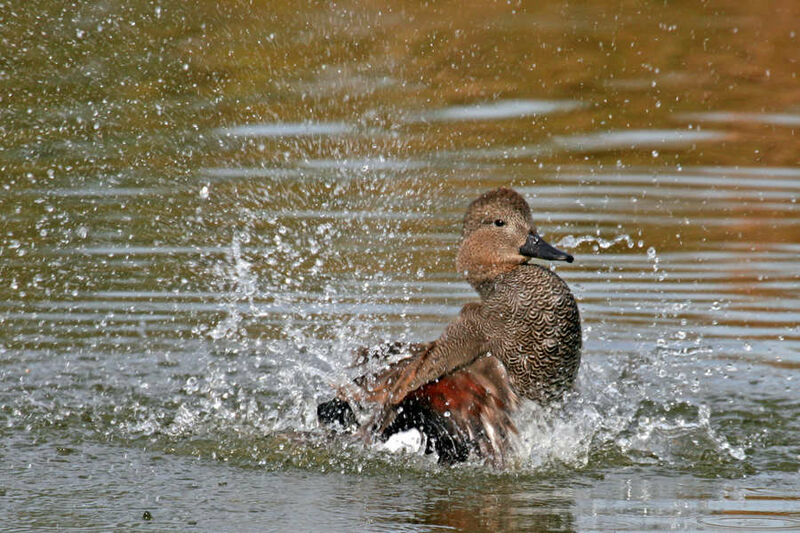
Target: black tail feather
[{"x": 440, "y": 436}]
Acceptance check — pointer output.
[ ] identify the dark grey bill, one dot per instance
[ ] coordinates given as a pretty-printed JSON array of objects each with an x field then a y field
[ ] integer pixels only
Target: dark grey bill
[{"x": 537, "y": 247}]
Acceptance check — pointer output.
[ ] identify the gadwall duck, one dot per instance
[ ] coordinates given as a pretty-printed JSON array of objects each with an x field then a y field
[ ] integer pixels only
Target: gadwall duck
[{"x": 523, "y": 339}]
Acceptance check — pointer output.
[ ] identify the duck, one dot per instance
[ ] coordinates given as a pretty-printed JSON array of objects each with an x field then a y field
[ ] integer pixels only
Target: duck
[{"x": 521, "y": 341}]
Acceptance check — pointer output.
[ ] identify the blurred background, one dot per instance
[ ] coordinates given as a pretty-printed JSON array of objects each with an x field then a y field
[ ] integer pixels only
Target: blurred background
[{"x": 206, "y": 207}]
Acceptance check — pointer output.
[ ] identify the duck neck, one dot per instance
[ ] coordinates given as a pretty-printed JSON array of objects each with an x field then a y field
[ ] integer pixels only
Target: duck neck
[
  {"x": 484, "y": 287},
  {"x": 487, "y": 285},
  {"x": 482, "y": 266}
]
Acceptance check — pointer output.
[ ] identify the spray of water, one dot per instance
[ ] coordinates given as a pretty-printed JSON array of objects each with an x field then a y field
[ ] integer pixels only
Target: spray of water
[{"x": 628, "y": 407}]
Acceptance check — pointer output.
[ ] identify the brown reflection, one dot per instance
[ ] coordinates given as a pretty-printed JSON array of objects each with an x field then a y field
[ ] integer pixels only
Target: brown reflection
[
  {"x": 641, "y": 65},
  {"x": 638, "y": 67},
  {"x": 506, "y": 506}
]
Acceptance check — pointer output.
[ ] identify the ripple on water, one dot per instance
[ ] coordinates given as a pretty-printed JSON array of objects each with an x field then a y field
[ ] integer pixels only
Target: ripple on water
[
  {"x": 287, "y": 129},
  {"x": 228, "y": 173},
  {"x": 636, "y": 140},
  {"x": 701, "y": 177},
  {"x": 502, "y": 109},
  {"x": 732, "y": 117},
  {"x": 758, "y": 522},
  {"x": 606, "y": 141}
]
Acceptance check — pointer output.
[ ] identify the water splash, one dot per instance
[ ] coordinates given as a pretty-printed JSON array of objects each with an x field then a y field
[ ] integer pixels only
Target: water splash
[
  {"x": 634, "y": 408},
  {"x": 236, "y": 271},
  {"x": 630, "y": 410},
  {"x": 570, "y": 241}
]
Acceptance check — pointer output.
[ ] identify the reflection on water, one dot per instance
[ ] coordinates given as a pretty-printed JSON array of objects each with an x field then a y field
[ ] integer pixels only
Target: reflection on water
[{"x": 204, "y": 209}]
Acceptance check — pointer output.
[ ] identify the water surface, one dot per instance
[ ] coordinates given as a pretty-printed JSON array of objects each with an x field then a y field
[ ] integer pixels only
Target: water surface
[{"x": 205, "y": 208}]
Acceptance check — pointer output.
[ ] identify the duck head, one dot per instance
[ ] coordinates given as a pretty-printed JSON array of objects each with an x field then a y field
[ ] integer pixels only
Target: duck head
[{"x": 498, "y": 235}]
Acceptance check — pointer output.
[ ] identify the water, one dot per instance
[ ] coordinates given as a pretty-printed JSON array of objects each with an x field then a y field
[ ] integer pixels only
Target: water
[{"x": 205, "y": 209}]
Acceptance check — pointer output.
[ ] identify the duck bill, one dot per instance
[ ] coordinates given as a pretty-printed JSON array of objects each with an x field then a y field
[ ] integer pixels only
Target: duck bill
[{"x": 537, "y": 247}]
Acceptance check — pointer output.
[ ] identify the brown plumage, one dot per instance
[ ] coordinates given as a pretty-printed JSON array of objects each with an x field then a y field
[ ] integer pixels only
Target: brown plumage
[{"x": 522, "y": 339}]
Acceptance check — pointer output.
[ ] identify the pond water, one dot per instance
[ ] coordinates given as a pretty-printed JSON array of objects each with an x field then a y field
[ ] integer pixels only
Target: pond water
[{"x": 207, "y": 206}]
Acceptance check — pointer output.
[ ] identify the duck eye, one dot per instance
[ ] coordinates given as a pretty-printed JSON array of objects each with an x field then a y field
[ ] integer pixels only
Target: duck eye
[{"x": 499, "y": 223}]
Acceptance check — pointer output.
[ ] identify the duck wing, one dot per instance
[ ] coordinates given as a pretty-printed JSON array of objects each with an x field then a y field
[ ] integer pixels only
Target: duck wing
[
  {"x": 469, "y": 409},
  {"x": 462, "y": 342}
]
